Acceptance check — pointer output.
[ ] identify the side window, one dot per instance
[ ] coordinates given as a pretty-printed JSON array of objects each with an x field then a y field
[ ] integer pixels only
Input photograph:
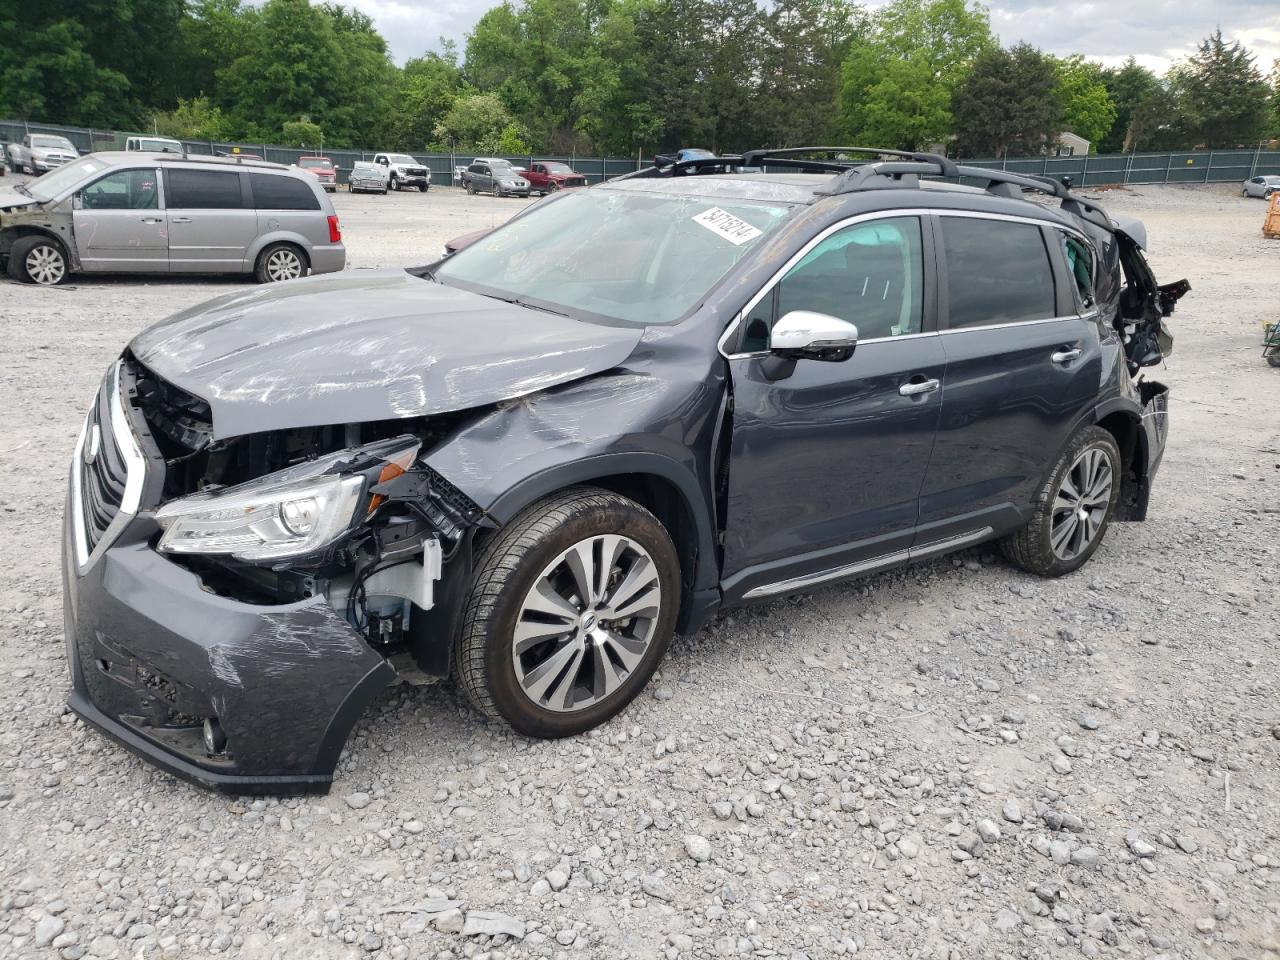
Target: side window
[
  {"x": 203, "y": 190},
  {"x": 997, "y": 272},
  {"x": 122, "y": 190},
  {"x": 275, "y": 192},
  {"x": 1080, "y": 266},
  {"x": 870, "y": 274}
]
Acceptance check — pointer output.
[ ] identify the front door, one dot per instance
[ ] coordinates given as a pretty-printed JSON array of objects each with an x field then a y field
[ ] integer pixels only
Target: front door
[
  {"x": 827, "y": 458},
  {"x": 118, "y": 223},
  {"x": 1023, "y": 367},
  {"x": 211, "y": 221}
]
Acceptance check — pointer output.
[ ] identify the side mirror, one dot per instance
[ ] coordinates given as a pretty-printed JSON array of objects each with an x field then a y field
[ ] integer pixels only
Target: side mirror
[{"x": 805, "y": 335}]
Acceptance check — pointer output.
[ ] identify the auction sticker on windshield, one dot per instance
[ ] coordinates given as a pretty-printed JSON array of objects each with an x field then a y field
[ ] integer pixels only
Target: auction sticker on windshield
[{"x": 726, "y": 225}]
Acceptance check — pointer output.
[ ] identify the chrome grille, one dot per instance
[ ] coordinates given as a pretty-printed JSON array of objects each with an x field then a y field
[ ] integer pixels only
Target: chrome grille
[{"x": 106, "y": 473}]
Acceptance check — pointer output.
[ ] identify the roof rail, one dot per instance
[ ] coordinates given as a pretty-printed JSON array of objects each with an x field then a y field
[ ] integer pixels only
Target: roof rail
[
  {"x": 904, "y": 170},
  {"x": 223, "y": 161}
]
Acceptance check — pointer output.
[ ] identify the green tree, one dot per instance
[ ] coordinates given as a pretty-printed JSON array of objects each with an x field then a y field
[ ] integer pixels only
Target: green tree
[
  {"x": 323, "y": 61},
  {"x": 1087, "y": 108},
  {"x": 429, "y": 85},
  {"x": 195, "y": 119},
  {"x": 1130, "y": 86},
  {"x": 82, "y": 63},
  {"x": 1008, "y": 106},
  {"x": 898, "y": 81},
  {"x": 1223, "y": 90},
  {"x": 480, "y": 123},
  {"x": 302, "y": 133}
]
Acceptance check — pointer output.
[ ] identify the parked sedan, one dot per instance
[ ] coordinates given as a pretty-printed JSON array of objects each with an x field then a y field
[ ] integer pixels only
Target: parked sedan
[
  {"x": 497, "y": 177},
  {"x": 159, "y": 213},
  {"x": 368, "y": 177},
  {"x": 548, "y": 176},
  {"x": 1260, "y": 187}
]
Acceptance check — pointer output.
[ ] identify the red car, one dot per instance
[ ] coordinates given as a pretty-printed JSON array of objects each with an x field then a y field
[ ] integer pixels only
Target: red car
[
  {"x": 324, "y": 170},
  {"x": 547, "y": 176}
]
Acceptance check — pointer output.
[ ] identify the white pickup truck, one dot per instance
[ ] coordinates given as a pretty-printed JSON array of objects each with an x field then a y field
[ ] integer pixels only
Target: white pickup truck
[
  {"x": 404, "y": 171},
  {"x": 39, "y": 153}
]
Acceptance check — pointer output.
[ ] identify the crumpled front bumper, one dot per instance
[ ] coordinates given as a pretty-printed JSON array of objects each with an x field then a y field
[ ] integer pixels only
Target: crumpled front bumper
[{"x": 153, "y": 653}]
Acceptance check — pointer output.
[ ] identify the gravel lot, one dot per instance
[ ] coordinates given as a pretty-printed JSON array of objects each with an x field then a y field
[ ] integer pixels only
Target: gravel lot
[{"x": 956, "y": 761}]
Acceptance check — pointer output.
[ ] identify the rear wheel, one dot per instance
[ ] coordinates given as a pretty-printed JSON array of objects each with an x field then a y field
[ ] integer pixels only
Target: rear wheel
[
  {"x": 1072, "y": 509},
  {"x": 41, "y": 260},
  {"x": 572, "y": 607},
  {"x": 279, "y": 262}
]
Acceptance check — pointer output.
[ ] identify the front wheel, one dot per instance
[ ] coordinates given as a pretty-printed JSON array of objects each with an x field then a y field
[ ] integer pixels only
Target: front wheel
[
  {"x": 40, "y": 260},
  {"x": 395, "y": 183},
  {"x": 1072, "y": 509},
  {"x": 471, "y": 188},
  {"x": 423, "y": 187},
  {"x": 572, "y": 607},
  {"x": 496, "y": 191}
]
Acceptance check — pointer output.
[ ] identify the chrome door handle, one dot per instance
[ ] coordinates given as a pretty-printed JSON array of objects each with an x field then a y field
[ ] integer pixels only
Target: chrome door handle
[
  {"x": 915, "y": 389},
  {"x": 1066, "y": 356},
  {"x": 179, "y": 219}
]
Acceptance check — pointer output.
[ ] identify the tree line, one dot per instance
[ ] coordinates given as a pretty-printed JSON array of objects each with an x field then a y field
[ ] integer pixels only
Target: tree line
[{"x": 614, "y": 77}]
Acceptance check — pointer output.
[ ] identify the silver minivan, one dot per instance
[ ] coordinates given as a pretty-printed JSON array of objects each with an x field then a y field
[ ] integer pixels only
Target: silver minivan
[{"x": 160, "y": 213}]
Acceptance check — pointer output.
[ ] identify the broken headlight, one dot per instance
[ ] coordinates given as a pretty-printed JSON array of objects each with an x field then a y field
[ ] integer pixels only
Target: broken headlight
[{"x": 291, "y": 513}]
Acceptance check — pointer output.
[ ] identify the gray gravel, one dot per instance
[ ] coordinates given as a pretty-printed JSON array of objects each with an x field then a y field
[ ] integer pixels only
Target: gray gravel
[{"x": 954, "y": 761}]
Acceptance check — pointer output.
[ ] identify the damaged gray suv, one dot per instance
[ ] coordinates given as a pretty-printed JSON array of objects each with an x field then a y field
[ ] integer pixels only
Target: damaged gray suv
[{"x": 529, "y": 465}]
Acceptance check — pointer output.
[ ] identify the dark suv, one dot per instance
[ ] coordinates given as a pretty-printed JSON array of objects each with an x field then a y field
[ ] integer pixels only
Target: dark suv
[{"x": 631, "y": 406}]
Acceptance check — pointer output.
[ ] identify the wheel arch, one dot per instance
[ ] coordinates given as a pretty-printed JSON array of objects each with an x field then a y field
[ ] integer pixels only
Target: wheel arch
[
  {"x": 1123, "y": 420},
  {"x": 11, "y": 235},
  {"x": 663, "y": 487},
  {"x": 267, "y": 240}
]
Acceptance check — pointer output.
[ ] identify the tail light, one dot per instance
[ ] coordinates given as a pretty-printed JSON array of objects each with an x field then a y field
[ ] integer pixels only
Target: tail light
[{"x": 335, "y": 233}]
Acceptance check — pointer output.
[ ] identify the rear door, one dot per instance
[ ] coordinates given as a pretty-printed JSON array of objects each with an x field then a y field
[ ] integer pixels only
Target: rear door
[
  {"x": 1023, "y": 367},
  {"x": 118, "y": 223},
  {"x": 211, "y": 221},
  {"x": 828, "y": 458}
]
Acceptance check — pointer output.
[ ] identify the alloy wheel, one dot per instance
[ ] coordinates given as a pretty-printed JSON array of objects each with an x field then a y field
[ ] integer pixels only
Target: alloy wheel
[
  {"x": 45, "y": 264},
  {"x": 1081, "y": 504},
  {"x": 283, "y": 264},
  {"x": 586, "y": 623}
]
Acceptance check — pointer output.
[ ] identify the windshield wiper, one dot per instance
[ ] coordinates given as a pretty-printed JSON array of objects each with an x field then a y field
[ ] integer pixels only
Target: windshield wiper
[{"x": 526, "y": 304}]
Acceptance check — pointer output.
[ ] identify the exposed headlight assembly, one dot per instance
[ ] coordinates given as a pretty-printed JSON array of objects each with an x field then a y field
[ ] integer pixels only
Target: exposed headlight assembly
[{"x": 291, "y": 513}]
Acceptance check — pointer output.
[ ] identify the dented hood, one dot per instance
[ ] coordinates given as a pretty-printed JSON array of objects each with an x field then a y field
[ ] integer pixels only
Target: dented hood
[
  {"x": 371, "y": 345},
  {"x": 13, "y": 200}
]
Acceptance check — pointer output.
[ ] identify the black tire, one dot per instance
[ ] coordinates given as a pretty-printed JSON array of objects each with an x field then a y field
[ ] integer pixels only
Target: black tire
[
  {"x": 1031, "y": 547},
  {"x": 496, "y": 190},
  {"x": 23, "y": 248},
  {"x": 506, "y": 571},
  {"x": 384, "y": 192},
  {"x": 1266, "y": 194},
  {"x": 263, "y": 271},
  {"x": 395, "y": 183},
  {"x": 423, "y": 187},
  {"x": 471, "y": 188},
  {"x": 553, "y": 186}
]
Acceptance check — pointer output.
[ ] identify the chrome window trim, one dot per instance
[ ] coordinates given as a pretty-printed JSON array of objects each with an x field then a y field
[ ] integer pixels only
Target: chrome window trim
[
  {"x": 804, "y": 251},
  {"x": 135, "y": 468}
]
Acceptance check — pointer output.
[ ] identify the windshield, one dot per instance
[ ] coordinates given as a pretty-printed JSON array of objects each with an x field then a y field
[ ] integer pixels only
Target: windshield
[
  {"x": 160, "y": 146},
  {"x": 639, "y": 258},
  {"x": 558, "y": 168},
  {"x": 501, "y": 168},
  {"x": 401, "y": 158},
  {"x": 68, "y": 175},
  {"x": 315, "y": 163},
  {"x": 61, "y": 143}
]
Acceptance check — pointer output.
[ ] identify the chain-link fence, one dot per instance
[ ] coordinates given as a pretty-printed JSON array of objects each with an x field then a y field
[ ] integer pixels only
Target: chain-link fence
[{"x": 1198, "y": 166}]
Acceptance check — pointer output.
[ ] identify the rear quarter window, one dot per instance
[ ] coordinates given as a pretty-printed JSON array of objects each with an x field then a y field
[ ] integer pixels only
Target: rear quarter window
[
  {"x": 998, "y": 271},
  {"x": 272, "y": 192}
]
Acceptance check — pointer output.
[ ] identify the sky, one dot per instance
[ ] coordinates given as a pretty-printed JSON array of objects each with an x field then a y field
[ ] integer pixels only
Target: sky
[{"x": 1156, "y": 32}]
